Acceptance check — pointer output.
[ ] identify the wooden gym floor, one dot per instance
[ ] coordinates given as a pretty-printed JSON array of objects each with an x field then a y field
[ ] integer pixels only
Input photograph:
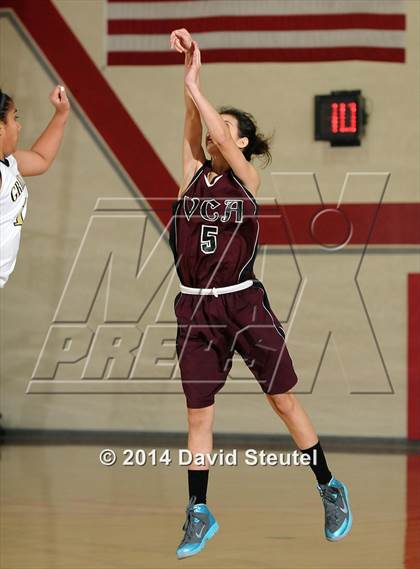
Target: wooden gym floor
[{"x": 62, "y": 509}]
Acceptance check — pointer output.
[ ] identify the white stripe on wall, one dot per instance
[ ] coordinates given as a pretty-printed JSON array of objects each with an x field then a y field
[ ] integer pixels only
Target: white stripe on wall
[
  {"x": 204, "y": 8},
  {"x": 255, "y": 40}
]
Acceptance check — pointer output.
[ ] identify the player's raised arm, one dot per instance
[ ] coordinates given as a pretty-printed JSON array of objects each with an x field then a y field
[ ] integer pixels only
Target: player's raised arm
[
  {"x": 218, "y": 128},
  {"x": 39, "y": 158},
  {"x": 192, "y": 151}
]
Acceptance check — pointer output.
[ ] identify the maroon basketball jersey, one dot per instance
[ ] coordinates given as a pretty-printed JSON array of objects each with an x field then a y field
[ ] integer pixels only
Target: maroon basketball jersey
[{"x": 214, "y": 231}]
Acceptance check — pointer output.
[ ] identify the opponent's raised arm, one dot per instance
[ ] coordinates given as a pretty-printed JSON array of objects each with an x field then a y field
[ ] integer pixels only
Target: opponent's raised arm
[
  {"x": 39, "y": 158},
  {"x": 192, "y": 151}
]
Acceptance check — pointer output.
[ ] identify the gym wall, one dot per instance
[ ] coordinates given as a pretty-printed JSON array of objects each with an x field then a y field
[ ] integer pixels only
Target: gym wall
[{"x": 358, "y": 387}]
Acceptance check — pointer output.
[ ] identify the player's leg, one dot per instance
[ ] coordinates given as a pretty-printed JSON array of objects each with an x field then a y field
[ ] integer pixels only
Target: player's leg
[
  {"x": 334, "y": 493},
  {"x": 291, "y": 412},
  {"x": 200, "y": 351},
  {"x": 200, "y": 525},
  {"x": 200, "y": 440},
  {"x": 261, "y": 342}
]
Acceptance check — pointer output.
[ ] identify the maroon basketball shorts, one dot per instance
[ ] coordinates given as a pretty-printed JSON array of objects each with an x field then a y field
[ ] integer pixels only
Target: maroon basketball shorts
[{"x": 211, "y": 329}]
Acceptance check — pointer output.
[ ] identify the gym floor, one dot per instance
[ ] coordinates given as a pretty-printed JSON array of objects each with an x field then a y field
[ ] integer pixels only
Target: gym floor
[{"x": 62, "y": 509}]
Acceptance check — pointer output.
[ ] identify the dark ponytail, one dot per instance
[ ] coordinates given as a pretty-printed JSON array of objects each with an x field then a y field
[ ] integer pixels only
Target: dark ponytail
[
  {"x": 258, "y": 144},
  {"x": 5, "y": 101}
]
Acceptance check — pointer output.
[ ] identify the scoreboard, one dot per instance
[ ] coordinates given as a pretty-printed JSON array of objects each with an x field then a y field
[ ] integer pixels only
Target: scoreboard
[{"x": 340, "y": 118}]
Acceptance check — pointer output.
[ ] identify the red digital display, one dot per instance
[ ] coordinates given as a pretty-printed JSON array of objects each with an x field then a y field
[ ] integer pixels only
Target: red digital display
[
  {"x": 340, "y": 118},
  {"x": 344, "y": 117}
]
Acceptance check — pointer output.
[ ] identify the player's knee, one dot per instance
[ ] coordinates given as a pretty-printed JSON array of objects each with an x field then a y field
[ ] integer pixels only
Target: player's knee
[
  {"x": 284, "y": 403},
  {"x": 200, "y": 419}
]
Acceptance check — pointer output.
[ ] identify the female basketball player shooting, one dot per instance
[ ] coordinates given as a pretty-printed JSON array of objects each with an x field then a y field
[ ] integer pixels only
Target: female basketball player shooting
[
  {"x": 14, "y": 164},
  {"x": 214, "y": 238}
]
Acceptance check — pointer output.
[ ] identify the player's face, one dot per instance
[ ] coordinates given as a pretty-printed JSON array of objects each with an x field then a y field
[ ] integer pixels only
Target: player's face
[
  {"x": 10, "y": 131},
  {"x": 232, "y": 124}
]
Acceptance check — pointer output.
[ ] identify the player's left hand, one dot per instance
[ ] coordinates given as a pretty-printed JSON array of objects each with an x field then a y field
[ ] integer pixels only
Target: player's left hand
[
  {"x": 58, "y": 98},
  {"x": 192, "y": 66}
]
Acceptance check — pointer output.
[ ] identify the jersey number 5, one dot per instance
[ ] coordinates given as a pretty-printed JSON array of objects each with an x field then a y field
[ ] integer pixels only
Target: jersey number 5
[{"x": 208, "y": 240}]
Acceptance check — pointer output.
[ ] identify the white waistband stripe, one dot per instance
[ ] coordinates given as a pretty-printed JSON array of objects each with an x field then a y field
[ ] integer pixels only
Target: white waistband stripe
[{"x": 215, "y": 291}]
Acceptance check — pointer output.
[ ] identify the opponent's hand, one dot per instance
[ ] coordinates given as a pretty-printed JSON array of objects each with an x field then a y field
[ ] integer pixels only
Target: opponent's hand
[
  {"x": 181, "y": 40},
  {"x": 59, "y": 100},
  {"x": 192, "y": 66}
]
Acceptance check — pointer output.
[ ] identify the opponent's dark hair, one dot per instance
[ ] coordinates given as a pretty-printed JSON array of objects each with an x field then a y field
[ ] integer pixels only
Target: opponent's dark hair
[
  {"x": 5, "y": 102},
  {"x": 258, "y": 144}
]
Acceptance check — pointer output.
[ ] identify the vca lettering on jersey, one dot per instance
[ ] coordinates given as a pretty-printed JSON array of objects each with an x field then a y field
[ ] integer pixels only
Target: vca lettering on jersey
[
  {"x": 214, "y": 231},
  {"x": 210, "y": 209}
]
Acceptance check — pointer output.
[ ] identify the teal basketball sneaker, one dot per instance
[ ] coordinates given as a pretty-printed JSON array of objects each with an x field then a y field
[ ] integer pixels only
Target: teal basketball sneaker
[
  {"x": 338, "y": 518},
  {"x": 199, "y": 527}
]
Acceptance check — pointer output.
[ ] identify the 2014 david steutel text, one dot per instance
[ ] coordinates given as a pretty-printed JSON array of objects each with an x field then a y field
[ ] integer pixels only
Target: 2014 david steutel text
[{"x": 184, "y": 457}]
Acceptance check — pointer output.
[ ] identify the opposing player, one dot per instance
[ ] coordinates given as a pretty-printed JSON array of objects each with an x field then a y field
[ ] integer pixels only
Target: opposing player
[
  {"x": 222, "y": 307},
  {"x": 15, "y": 164}
]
